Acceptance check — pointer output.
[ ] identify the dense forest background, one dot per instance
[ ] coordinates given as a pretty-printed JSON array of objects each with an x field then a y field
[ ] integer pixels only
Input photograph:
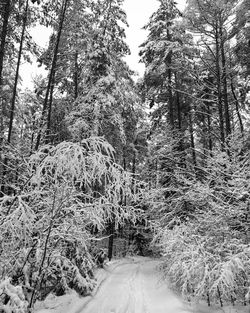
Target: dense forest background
[{"x": 161, "y": 165}]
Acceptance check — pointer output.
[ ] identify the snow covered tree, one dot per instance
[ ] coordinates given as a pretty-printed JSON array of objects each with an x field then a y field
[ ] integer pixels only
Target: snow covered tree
[
  {"x": 46, "y": 224},
  {"x": 202, "y": 228},
  {"x": 197, "y": 200}
]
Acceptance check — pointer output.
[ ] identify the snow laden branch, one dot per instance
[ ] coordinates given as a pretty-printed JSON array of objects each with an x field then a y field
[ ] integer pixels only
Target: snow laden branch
[
  {"x": 46, "y": 226},
  {"x": 201, "y": 224}
]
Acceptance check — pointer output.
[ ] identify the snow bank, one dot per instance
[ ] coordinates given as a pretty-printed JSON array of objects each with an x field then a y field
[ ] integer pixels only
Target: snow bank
[
  {"x": 203, "y": 308},
  {"x": 72, "y": 302}
]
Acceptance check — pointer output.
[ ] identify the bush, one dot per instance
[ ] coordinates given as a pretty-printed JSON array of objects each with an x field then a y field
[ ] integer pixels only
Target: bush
[
  {"x": 45, "y": 225},
  {"x": 202, "y": 228}
]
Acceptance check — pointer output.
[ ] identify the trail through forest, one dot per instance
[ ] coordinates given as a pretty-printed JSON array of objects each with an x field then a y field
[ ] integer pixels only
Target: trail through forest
[
  {"x": 134, "y": 286},
  {"x": 130, "y": 285},
  {"x": 96, "y": 161}
]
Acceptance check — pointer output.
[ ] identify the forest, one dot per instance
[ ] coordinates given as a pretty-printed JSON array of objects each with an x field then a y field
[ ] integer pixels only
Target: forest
[{"x": 93, "y": 161}]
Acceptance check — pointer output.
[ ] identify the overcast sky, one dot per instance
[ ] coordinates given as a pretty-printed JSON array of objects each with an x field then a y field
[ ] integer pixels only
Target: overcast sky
[{"x": 138, "y": 13}]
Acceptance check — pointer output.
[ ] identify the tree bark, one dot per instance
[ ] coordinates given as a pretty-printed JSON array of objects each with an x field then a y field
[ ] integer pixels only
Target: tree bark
[
  {"x": 171, "y": 109},
  {"x": 76, "y": 76},
  {"x": 191, "y": 130},
  {"x": 224, "y": 84},
  {"x": 6, "y": 15},
  {"x": 178, "y": 103},
  {"x": 237, "y": 107},
  {"x": 169, "y": 83},
  {"x": 111, "y": 239},
  {"x": 219, "y": 93},
  {"x": 48, "y": 128},
  {"x": 210, "y": 142},
  {"x": 1, "y": 149},
  {"x": 13, "y": 100},
  {"x": 52, "y": 71}
]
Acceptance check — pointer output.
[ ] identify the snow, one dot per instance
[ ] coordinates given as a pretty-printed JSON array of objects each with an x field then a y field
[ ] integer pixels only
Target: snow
[{"x": 130, "y": 285}]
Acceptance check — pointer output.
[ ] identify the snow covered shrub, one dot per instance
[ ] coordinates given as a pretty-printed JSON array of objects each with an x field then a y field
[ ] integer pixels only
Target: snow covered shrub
[
  {"x": 45, "y": 225},
  {"x": 203, "y": 228},
  {"x": 69, "y": 270},
  {"x": 206, "y": 266},
  {"x": 12, "y": 299},
  {"x": 100, "y": 255}
]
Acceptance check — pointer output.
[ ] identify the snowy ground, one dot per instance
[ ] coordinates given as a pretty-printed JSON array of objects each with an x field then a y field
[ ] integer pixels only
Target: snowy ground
[{"x": 128, "y": 286}]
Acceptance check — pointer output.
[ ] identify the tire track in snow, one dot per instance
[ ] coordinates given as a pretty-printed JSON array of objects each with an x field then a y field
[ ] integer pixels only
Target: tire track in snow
[
  {"x": 97, "y": 289},
  {"x": 111, "y": 296},
  {"x": 130, "y": 305},
  {"x": 133, "y": 287}
]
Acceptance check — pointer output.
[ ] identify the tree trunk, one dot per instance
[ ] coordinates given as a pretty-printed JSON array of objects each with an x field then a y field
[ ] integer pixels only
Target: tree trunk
[
  {"x": 134, "y": 163},
  {"x": 179, "y": 115},
  {"x": 111, "y": 239},
  {"x": 6, "y": 14},
  {"x": 52, "y": 70},
  {"x": 76, "y": 76},
  {"x": 237, "y": 107},
  {"x": 124, "y": 161},
  {"x": 171, "y": 109},
  {"x": 13, "y": 100},
  {"x": 219, "y": 93},
  {"x": 1, "y": 148},
  {"x": 48, "y": 128},
  {"x": 169, "y": 83},
  {"x": 224, "y": 83},
  {"x": 178, "y": 103},
  {"x": 133, "y": 168},
  {"x": 191, "y": 130},
  {"x": 210, "y": 142}
]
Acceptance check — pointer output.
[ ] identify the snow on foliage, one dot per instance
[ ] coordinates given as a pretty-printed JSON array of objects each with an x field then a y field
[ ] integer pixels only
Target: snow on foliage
[
  {"x": 46, "y": 224},
  {"x": 17, "y": 302},
  {"x": 202, "y": 226}
]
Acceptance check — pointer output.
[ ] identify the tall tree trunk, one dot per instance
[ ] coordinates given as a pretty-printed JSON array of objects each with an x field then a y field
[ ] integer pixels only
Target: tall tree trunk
[
  {"x": 191, "y": 131},
  {"x": 178, "y": 104},
  {"x": 224, "y": 83},
  {"x": 6, "y": 14},
  {"x": 179, "y": 115},
  {"x": 133, "y": 168},
  {"x": 210, "y": 142},
  {"x": 1, "y": 126},
  {"x": 237, "y": 107},
  {"x": 124, "y": 163},
  {"x": 134, "y": 163},
  {"x": 48, "y": 128},
  {"x": 52, "y": 71},
  {"x": 111, "y": 238},
  {"x": 1, "y": 148},
  {"x": 170, "y": 96},
  {"x": 13, "y": 100},
  {"x": 169, "y": 83},
  {"x": 219, "y": 93},
  {"x": 76, "y": 76}
]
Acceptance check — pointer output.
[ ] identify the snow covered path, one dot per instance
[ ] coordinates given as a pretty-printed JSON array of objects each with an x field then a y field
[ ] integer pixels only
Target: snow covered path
[
  {"x": 133, "y": 286},
  {"x": 130, "y": 285}
]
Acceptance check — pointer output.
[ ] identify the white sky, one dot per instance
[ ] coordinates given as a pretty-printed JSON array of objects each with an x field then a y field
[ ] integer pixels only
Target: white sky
[{"x": 138, "y": 13}]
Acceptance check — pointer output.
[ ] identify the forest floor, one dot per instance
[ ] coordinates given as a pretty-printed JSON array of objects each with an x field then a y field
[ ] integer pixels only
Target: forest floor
[{"x": 130, "y": 285}]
